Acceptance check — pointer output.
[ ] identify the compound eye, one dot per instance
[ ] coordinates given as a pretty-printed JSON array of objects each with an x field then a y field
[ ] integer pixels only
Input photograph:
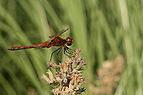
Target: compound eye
[{"x": 69, "y": 41}]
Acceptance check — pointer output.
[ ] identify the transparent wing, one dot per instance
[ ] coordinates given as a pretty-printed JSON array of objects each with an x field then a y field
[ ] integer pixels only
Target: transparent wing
[{"x": 58, "y": 34}]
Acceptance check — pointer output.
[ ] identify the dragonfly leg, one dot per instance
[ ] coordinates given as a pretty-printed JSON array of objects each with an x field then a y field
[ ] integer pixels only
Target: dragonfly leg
[
  {"x": 65, "y": 52},
  {"x": 71, "y": 50},
  {"x": 68, "y": 50},
  {"x": 54, "y": 52},
  {"x": 57, "y": 54}
]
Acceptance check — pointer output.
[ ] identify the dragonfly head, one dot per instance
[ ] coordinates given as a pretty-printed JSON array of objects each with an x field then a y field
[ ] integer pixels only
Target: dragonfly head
[{"x": 69, "y": 41}]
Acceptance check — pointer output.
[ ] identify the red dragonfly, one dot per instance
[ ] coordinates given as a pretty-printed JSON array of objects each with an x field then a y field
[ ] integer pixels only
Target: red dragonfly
[{"x": 55, "y": 40}]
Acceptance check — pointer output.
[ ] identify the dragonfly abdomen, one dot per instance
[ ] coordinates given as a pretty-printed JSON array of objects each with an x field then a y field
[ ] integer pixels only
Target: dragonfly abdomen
[{"x": 21, "y": 47}]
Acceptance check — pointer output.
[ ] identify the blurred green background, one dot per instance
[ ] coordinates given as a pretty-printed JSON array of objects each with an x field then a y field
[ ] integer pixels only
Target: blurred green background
[{"x": 102, "y": 29}]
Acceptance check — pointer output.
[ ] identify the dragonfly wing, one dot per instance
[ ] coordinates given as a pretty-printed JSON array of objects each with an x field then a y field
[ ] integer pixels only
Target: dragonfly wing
[{"x": 58, "y": 34}]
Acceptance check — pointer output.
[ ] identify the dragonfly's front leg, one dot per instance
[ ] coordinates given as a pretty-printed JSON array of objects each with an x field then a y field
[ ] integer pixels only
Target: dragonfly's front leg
[{"x": 68, "y": 50}]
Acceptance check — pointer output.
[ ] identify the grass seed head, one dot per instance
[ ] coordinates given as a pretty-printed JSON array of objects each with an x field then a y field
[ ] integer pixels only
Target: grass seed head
[{"x": 68, "y": 78}]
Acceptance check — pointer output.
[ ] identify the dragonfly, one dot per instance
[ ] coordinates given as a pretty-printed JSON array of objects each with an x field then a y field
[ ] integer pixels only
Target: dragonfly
[{"x": 55, "y": 41}]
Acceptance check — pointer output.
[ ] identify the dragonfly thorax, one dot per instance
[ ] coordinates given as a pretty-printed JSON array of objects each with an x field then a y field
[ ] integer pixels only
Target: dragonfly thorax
[{"x": 69, "y": 41}]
